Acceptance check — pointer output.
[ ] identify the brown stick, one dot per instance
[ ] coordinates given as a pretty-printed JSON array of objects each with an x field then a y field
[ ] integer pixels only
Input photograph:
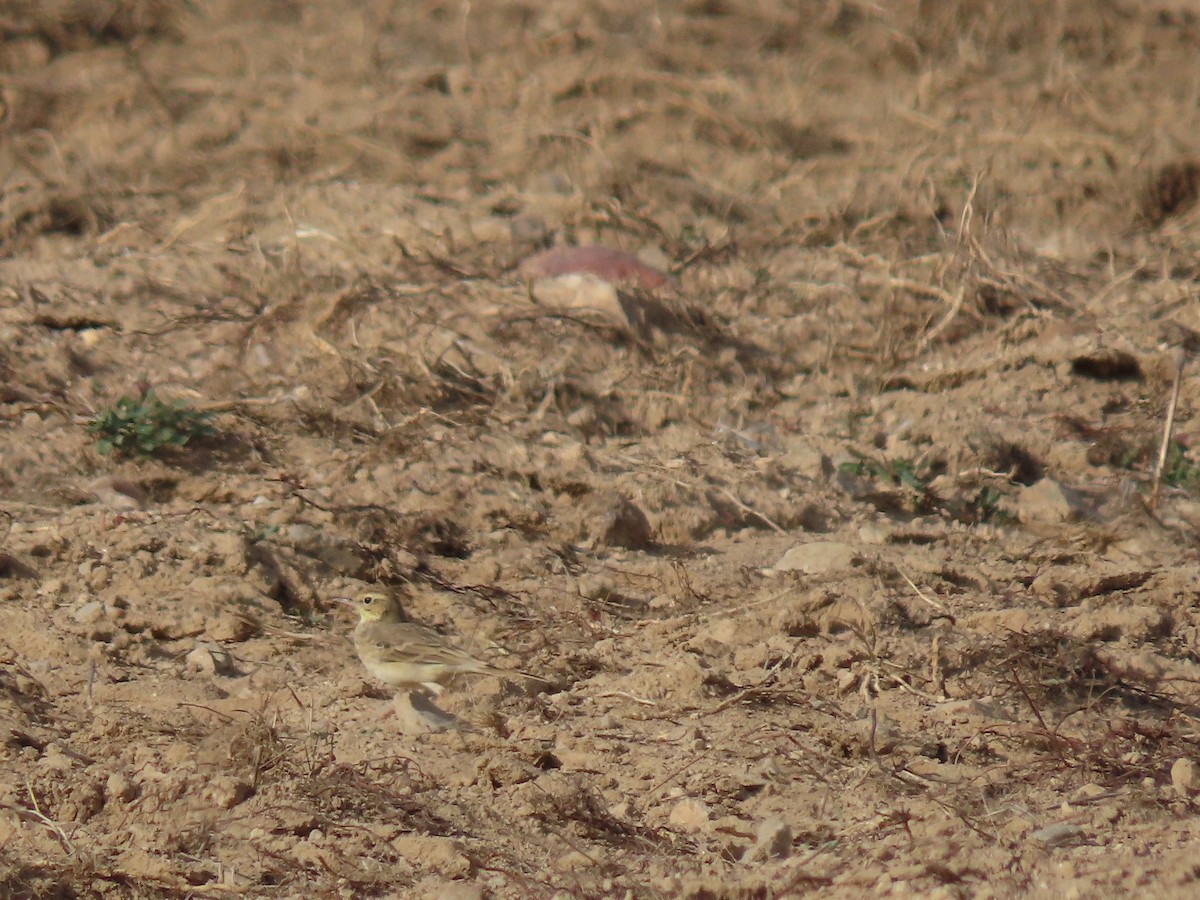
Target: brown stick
[{"x": 1168, "y": 430}]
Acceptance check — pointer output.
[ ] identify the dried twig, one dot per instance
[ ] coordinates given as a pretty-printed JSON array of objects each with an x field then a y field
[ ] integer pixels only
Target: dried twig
[
  {"x": 916, "y": 590},
  {"x": 1168, "y": 430},
  {"x": 35, "y": 812},
  {"x": 628, "y": 696},
  {"x": 753, "y": 512}
]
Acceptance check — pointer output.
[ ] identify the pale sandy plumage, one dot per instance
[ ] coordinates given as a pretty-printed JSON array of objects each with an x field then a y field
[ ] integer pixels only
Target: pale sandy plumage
[{"x": 408, "y": 655}]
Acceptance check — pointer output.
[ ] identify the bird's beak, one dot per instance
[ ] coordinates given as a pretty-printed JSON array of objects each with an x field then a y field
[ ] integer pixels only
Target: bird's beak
[{"x": 345, "y": 600}]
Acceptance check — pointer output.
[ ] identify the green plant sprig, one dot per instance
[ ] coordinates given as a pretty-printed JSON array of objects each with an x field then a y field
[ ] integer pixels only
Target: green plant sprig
[{"x": 145, "y": 426}]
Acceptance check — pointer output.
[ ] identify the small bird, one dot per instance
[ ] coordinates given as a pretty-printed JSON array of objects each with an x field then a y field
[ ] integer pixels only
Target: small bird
[{"x": 407, "y": 655}]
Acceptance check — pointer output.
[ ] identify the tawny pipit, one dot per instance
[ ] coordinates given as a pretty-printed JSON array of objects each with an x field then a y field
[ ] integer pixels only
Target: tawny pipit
[{"x": 407, "y": 655}]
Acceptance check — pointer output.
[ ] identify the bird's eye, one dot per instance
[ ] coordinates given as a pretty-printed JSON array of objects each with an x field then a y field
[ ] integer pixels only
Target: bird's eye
[{"x": 367, "y": 601}]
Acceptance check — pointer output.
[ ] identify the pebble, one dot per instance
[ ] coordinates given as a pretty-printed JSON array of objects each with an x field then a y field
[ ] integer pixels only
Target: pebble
[
  {"x": 605, "y": 264},
  {"x": 417, "y": 715},
  {"x": 573, "y": 860},
  {"x": 443, "y": 855},
  {"x": 969, "y": 708},
  {"x": 88, "y": 613},
  {"x": 690, "y": 814},
  {"x": 118, "y": 493},
  {"x": 583, "y": 291},
  {"x": 773, "y": 840},
  {"x": 232, "y": 628},
  {"x": 1184, "y": 777},
  {"x": 1048, "y": 501},
  {"x": 456, "y": 890},
  {"x": 119, "y": 788},
  {"x": 872, "y": 533},
  {"x": 625, "y": 525},
  {"x": 1087, "y": 792},
  {"x": 55, "y": 760},
  {"x": 817, "y": 557},
  {"x": 210, "y": 659},
  {"x": 596, "y": 587},
  {"x": 226, "y": 791},
  {"x": 1058, "y": 834}
]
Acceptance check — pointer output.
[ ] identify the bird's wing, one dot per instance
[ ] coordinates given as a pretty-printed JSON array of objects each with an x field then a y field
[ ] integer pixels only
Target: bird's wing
[{"x": 408, "y": 642}]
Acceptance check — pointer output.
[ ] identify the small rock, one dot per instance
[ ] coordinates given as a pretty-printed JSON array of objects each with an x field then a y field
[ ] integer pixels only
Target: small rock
[
  {"x": 805, "y": 459},
  {"x": 574, "y": 860},
  {"x": 773, "y": 840},
  {"x": 119, "y": 788},
  {"x": 442, "y": 855},
  {"x": 231, "y": 548},
  {"x": 690, "y": 814},
  {"x": 55, "y": 760},
  {"x": 307, "y": 854},
  {"x": 341, "y": 555},
  {"x": 303, "y": 536},
  {"x": 625, "y": 525},
  {"x": 99, "y": 578},
  {"x": 1134, "y": 623},
  {"x": 117, "y": 493},
  {"x": 1057, "y": 835},
  {"x": 817, "y": 557},
  {"x": 210, "y": 659},
  {"x": 1184, "y": 777},
  {"x": 586, "y": 293},
  {"x": 1139, "y": 666},
  {"x": 232, "y": 627},
  {"x": 584, "y": 418},
  {"x": 22, "y": 55},
  {"x": 879, "y": 736},
  {"x": 1049, "y": 502},
  {"x": 89, "y": 613},
  {"x": 1087, "y": 792},
  {"x": 847, "y": 681},
  {"x": 23, "y": 684},
  {"x": 1054, "y": 590},
  {"x": 873, "y": 533},
  {"x": 226, "y": 791},
  {"x": 613, "y": 267},
  {"x": 969, "y": 708},
  {"x": 417, "y": 714},
  {"x": 454, "y": 890},
  {"x": 596, "y": 587}
]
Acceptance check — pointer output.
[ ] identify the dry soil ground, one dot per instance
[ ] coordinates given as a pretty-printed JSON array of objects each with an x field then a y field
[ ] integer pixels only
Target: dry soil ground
[{"x": 904, "y": 622}]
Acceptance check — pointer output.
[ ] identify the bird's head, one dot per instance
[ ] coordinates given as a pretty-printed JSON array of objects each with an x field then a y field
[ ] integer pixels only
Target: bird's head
[{"x": 374, "y": 606}]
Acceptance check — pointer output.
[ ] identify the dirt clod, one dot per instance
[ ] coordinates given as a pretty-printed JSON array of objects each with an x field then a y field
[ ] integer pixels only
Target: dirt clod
[
  {"x": 1185, "y": 777},
  {"x": 623, "y": 524},
  {"x": 1173, "y": 189}
]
